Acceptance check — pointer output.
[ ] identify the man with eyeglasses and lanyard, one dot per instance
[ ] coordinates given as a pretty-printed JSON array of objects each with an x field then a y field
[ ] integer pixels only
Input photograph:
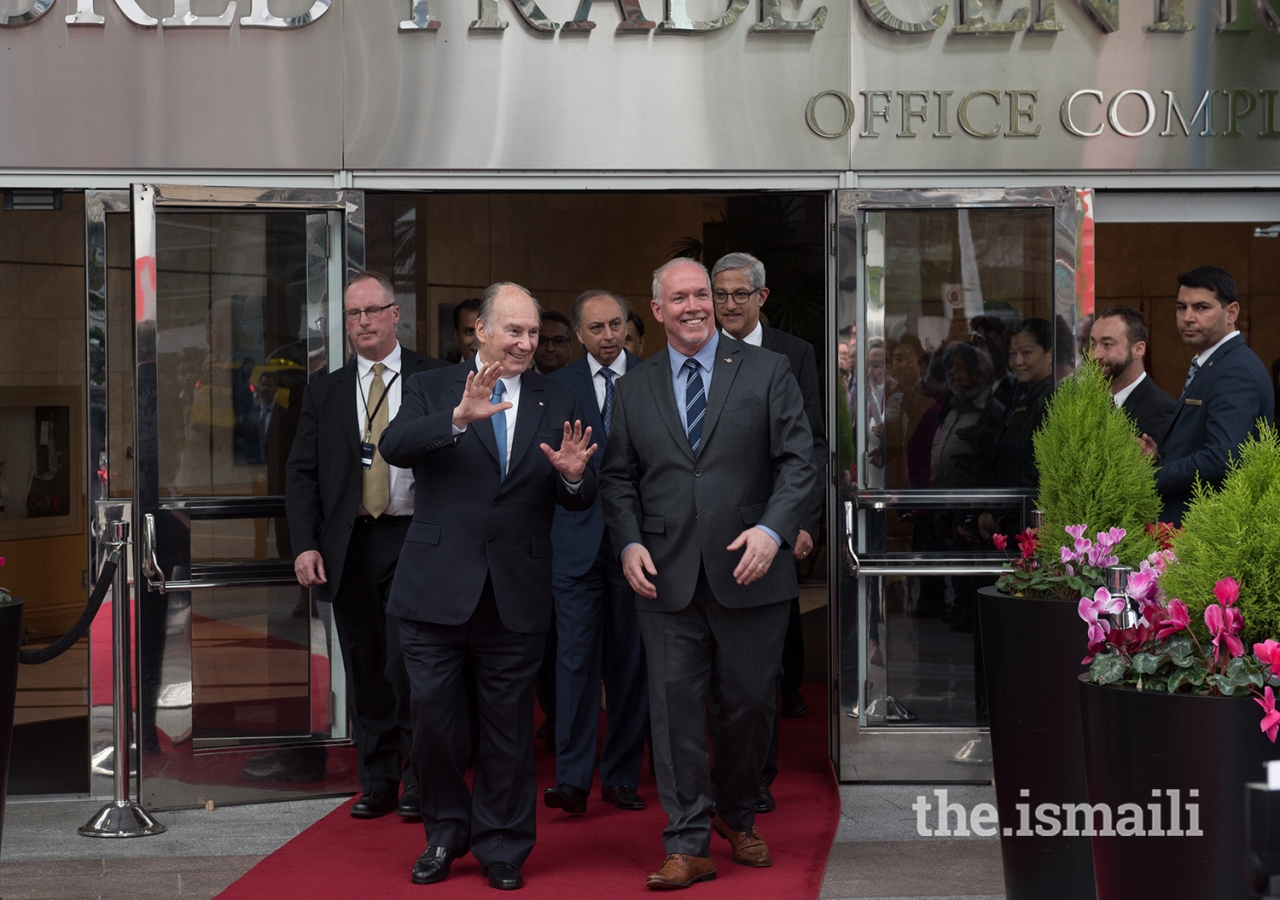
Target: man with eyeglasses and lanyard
[
  {"x": 349, "y": 512},
  {"x": 739, "y": 294}
]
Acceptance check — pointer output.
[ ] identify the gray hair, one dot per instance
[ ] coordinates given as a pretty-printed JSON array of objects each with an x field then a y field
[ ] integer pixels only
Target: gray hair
[
  {"x": 734, "y": 261},
  {"x": 370, "y": 275},
  {"x": 575, "y": 314},
  {"x": 490, "y": 296},
  {"x": 678, "y": 261}
]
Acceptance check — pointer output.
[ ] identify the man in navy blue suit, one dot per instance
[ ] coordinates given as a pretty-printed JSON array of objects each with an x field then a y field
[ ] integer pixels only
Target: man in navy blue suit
[
  {"x": 595, "y": 607},
  {"x": 1227, "y": 391},
  {"x": 494, "y": 448}
]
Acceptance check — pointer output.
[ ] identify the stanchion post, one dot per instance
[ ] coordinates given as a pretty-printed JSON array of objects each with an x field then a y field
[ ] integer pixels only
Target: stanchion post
[{"x": 121, "y": 817}]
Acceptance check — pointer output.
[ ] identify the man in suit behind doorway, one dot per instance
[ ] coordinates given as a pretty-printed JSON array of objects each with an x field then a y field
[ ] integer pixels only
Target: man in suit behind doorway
[
  {"x": 494, "y": 448},
  {"x": 739, "y": 292},
  {"x": 1226, "y": 392},
  {"x": 347, "y": 522},
  {"x": 596, "y": 621},
  {"x": 706, "y": 476},
  {"x": 1119, "y": 338}
]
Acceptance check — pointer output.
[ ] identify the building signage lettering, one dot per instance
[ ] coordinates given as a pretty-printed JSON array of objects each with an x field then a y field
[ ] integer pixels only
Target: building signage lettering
[
  {"x": 677, "y": 21},
  {"x": 1085, "y": 113}
]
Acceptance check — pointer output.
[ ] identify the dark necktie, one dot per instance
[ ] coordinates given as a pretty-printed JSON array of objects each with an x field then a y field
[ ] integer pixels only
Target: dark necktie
[
  {"x": 695, "y": 403},
  {"x": 1191, "y": 376},
  {"x": 606, "y": 413},
  {"x": 499, "y": 421}
]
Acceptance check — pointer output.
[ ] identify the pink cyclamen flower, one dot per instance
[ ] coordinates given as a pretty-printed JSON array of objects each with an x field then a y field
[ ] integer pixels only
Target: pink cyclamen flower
[
  {"x": 1076, "y": 531},
  {"x": 1271, "y": 718},
  {"x": 1144, "y": 584},
  {"x": 1179, "y": 618},
  {"x": 1269, "y": 653},
  {"x": 1000, "y": 541},
  {"x": 1115, "y": 534},
  {"x": 1091, "y": 609},
  {"x": 1067, "y": 555},
  {"x": 1224, "y": 625},
  {"x": 1227, "y": 591},
  {"x": 1100, "y": 556}
]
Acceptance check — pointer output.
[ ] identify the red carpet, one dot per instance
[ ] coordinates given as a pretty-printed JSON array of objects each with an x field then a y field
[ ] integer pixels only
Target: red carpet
[{"x": 605, "y": 853}]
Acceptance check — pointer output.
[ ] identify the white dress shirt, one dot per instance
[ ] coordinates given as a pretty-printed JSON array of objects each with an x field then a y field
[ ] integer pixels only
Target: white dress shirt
[
  {"x": 1123, "y": 394},
  {"x": 401, "y": 479},
  {"x": 511, "y": 394},
  {"x": 1201, "y": 358},
  {"x": 755, "y": 338},
  {"x": 619, "y": 367}
]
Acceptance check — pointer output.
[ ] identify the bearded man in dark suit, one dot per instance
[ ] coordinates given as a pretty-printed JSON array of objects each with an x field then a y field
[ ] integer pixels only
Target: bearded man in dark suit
[
  {"x": 706, "y": 476},
  {"x": 1119, "y": 337},
  {"x": 494, "y": 447}
]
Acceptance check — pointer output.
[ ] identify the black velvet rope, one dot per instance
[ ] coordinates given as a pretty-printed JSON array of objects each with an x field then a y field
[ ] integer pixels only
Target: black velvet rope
[{"x": 62, "y": 644}]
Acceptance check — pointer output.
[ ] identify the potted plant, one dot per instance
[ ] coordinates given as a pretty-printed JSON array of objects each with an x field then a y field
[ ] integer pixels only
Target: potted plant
[
  {"x": 1179, "y": 702},
  {"x": 10, "y": 648},
  {"x": 1094, "y": 480}
]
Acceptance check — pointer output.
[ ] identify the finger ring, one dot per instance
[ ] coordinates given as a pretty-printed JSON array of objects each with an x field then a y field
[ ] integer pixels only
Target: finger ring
[{"x": 759, "y": 565}]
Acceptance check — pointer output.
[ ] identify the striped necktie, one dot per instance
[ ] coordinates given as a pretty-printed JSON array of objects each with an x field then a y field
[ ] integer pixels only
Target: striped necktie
[
  {"x": 695, "y": 403},
  {"x": 1191, "y": 376}
]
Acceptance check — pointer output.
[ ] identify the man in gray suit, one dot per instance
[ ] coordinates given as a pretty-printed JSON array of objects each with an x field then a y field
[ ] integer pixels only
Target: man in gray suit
[{"x": 705, "y": 477}]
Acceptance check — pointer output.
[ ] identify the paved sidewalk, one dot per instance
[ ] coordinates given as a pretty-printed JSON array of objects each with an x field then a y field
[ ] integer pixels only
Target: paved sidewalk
[{"x": 877, "y": 852}]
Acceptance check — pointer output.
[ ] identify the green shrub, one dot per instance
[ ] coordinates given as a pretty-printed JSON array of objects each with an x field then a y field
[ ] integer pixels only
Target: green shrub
[
  {"x": 1092, "y": 469},
  {"x": 1234, "y": 531}
]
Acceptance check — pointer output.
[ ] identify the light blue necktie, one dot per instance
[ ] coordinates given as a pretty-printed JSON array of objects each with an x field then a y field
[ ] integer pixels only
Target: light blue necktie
[
  {"x": 607, "y": 413},
  {"x": 500, "y": 427},
  {"x": 695, "y": 403}
]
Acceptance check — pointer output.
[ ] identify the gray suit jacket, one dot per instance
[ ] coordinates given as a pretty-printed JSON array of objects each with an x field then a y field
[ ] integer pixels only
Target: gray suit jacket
[{"x": 753, "y": 468}]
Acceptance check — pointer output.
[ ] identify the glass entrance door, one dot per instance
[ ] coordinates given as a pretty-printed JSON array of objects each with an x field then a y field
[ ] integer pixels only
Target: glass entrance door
[
  {"x": 935, "y": 289},
  {"x": 236, "y": 301}
]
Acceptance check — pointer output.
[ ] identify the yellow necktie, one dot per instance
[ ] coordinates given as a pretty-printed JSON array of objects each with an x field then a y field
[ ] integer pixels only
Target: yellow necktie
[{"x": 377, "y": 478}]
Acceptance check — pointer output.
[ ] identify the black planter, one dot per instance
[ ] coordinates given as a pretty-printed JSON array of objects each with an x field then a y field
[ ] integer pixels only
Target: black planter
[
  {"x": 10, "y": 647},
  {"x": 1031, "y": 650},
  {"x": 1137, "y": 742}
]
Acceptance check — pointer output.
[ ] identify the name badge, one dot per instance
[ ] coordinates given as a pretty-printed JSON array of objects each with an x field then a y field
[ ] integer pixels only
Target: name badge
[
  {"x": 1190, "y": 402},
  {"x": 366, "y": 454}
]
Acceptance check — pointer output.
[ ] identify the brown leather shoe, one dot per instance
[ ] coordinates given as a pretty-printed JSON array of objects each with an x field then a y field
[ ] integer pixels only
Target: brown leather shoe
[
  {"x": 680, "y": 870},
  {"x": 749, "y": 849}
]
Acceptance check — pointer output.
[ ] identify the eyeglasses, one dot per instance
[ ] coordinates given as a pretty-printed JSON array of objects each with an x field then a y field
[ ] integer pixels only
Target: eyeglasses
[
  {"x": 354, "y": 315},
  {"x": 739, "y": 297},
  {"x": 558, "y": 340}
]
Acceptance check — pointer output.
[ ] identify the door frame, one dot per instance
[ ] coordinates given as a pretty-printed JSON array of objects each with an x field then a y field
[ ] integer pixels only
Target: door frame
[{"x": 908, "y": 753}]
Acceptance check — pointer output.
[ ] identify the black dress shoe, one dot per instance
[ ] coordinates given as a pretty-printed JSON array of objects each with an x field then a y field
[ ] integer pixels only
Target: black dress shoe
[
  {"x": 503, "y": 876},
  {"x": 410, "y": 806},
  {"x": 374, "y": 804},
  {"x": 623, "y": 796},
  {"x": 793, "y": 706},
  {"x": 433, "y": 865},
  {"x": 764, "y": 800},
  {"x": 566, "y": 797}
]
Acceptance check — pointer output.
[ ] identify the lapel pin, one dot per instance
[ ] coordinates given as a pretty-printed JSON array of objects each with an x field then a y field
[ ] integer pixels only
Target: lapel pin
[
  {"x": 728, "y": 359},
  {"x": 540, "y": 403}
]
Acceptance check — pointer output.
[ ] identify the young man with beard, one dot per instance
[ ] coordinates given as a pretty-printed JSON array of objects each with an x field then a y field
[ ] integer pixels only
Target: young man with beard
[{"x": 1119, "y": 338}]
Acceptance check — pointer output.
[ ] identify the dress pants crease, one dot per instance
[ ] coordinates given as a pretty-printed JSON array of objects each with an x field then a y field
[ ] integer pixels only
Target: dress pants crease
[
  {"x": 370, "y": 642},
  {"x": 700, "y": 655},
  {"x": 495, "y": 821}
]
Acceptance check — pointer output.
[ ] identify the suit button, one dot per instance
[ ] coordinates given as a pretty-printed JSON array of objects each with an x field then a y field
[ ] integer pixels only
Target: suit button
[
  {"x": 697, "y": 473},
  {"x": 491, "y": 539}
]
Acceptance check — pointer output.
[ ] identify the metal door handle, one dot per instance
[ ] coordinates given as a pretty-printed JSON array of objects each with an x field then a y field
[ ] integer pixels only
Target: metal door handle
[
  {"x": 150, "y": 565},
  {"x": 852, "y": 560}
]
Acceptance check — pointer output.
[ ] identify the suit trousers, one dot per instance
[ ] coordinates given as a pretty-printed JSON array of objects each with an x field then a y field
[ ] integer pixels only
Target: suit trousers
[
  {"x": 377, "y": 687},
  {"x": 496, "y": 821},
  {"x": 597, "y": 627},
  {"x": 701, "y": 655}
]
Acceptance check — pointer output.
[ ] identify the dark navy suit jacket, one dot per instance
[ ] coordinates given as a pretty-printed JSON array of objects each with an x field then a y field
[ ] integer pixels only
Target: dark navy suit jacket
[
  {"x": 469, "y": 523},
  {"x": 1216, "y": 413},
  {"x": 576, "y": 536}
]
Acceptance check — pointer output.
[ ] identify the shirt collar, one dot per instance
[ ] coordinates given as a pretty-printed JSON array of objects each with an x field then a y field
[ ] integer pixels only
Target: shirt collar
[
  {"x": 391, "y": 361},
  {"x": 706, "y": 357},
  {"x": 1122, "y": 395},
  {"x": 755, "y": 338},
  {"x": 512, "y": 382},
  {"x": 1202, "y": 358},
  {"x": 619, "y": 365}
]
